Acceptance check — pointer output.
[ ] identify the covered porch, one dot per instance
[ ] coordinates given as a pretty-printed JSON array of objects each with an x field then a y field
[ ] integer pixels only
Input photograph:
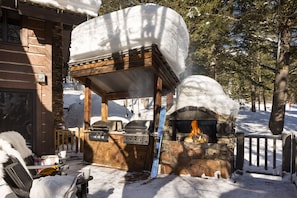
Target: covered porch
[{"x": 135, "y": 73}]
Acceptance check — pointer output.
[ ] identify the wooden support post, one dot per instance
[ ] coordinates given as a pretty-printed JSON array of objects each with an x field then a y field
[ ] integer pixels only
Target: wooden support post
[
  {"x": 266, "y": 154},
  {"x": 87, "y": 107},
  {"x": 240, "y": 151},
  {"x": 294, "y": 154},
  {"x": 157, "y": 101},
  {"x": 258, "y": 151},
  {"x": 82, "y": 139},
  {"x": 169, "y": 101},
  {"x": 274, "y": 153},
  {"x": 104, "y": 109},
  {"x": 250, "y": 150},
  {"x": 286, "y": 140}
]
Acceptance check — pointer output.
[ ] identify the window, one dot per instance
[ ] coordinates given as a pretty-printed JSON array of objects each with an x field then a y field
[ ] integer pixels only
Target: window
[
  {"x": 10, "y": 26},
  {"x": 17, "y": 112}
]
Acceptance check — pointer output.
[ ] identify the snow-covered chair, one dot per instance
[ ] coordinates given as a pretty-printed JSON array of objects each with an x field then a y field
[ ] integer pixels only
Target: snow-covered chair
[
  {"x": 18, "y": 142},
  {"x": 14, "y": 171}
]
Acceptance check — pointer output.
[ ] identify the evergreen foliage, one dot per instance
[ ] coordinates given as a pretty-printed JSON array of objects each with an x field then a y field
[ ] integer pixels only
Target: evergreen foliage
[{"x": 234, "y": 41}]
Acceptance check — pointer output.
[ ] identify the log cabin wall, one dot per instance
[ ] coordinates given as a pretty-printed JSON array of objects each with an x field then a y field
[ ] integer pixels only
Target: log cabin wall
[
  {"x": 42, "y": 51},
  {"x": 20, "y": 65},
  {"x": 58, "y": 74}
]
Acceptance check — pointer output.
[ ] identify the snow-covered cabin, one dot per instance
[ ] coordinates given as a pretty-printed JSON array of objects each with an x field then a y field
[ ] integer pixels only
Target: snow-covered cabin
[{"x": 34, "y": 49}]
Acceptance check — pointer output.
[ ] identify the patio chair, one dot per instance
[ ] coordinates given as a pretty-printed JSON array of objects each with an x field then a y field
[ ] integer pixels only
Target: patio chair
[
  {"x": 19, "y": 179},
  {"x": 21, "y": 183},
  {"x": 17, "y": 141}
]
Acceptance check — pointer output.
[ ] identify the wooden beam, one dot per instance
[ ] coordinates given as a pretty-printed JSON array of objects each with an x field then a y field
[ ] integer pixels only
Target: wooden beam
[
  {"x": 104, "y": 109},
  {"x": 163, "y": 69},
  {"x": 169, "y": 100},
  {"x": 87, "y": 107},
  {"x": 157, "y": 101},
  {"x": 139, "y": 60},
  {"x": 112, "y": 65}
]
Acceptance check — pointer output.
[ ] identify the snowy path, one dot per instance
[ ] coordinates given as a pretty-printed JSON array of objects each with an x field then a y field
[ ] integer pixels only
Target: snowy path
[{"x": 114, "y": 183}]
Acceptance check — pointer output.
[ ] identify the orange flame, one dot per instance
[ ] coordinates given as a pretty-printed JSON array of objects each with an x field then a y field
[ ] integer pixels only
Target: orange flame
[
  {"x": 196, "y": 134},
  {"x": 195, "y": 129}
]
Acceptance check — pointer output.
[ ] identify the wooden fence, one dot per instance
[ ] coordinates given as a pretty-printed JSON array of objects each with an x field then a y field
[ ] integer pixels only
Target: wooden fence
[
  {"x": 267, "y": 154},
  {"x": 70, "y": 140}
]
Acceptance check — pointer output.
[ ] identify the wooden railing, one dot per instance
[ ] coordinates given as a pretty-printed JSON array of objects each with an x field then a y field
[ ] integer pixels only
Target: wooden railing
[
  {"x": 267, "y": 154},
  {"x": 69, "y": 140}
]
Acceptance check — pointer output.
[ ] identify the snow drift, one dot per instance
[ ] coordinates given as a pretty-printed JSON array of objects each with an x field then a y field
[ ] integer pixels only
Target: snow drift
[
  {"x": 130, "y": 28},
  {"x": 88, "y": 7}
]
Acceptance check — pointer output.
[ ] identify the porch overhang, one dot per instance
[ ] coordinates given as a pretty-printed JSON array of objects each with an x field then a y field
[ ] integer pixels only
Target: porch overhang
[{"x": 126, "y": 74}]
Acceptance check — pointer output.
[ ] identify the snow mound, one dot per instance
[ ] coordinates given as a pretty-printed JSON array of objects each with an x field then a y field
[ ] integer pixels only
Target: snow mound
[
  {"x": 203, "y": 91},
  {"x": 133, "y": 27},
  {"x": 89, "y": 7}
]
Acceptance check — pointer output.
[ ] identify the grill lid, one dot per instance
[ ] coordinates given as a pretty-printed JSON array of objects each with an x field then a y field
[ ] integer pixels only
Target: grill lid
[
  {"x": 139, "y": 126},
  {"x": 109, "y": 125}
]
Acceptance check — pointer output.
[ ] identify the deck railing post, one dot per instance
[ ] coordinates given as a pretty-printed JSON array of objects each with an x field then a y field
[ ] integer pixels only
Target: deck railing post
[
  {"x": 274, "y": 153},
  {"x": 266, "y": 154},
  {"x": 294, "y": 147},
  {"x": 240, "y": 151},
  {"x": 286, "y": 143}
]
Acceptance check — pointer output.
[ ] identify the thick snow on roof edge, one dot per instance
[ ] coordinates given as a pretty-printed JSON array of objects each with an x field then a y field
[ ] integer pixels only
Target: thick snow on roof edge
[
  {"x": 88, "y": 7},
  {"x": 203, "y": 91},
  {"x": 133, "y": 27}
]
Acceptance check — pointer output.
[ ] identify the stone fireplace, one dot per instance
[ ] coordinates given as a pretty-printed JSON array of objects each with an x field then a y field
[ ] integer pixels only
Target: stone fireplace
[
  {"x": 199, "y": 139},
  {"x": 213, "y": 158}
]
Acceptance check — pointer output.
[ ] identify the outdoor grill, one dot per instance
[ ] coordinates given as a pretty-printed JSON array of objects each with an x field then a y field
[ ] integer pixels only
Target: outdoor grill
[
  {"x": 138, "y": 132},
  {"x": 99, "y": 131}
]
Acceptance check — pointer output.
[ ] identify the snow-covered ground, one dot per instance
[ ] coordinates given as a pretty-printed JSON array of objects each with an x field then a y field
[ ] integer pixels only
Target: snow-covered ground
[{"x": 115, "y": 183}]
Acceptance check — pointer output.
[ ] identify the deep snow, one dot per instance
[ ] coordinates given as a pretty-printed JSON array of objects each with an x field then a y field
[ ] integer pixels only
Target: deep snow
[
  {"x": 115, "y": 183},
  {"x": 129, "y": 28},
  {"x": 88, "y": 7}
]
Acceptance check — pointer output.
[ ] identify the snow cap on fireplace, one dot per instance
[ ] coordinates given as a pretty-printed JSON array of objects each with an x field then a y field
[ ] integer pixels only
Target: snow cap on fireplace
[{"x": 204, "y": 92}]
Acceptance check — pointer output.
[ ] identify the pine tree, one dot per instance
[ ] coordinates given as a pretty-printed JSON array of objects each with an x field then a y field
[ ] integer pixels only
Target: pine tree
[
  {"x": 236, "y": 43},
  {"x": 286, "y": 18}
]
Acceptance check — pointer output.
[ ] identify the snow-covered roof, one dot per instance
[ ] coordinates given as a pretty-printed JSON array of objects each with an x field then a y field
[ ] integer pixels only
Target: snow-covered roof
[
  {"x": 88, "y": 7},
  {"x": 202, "y": 91},
  {"x": 133, "y": 27}
]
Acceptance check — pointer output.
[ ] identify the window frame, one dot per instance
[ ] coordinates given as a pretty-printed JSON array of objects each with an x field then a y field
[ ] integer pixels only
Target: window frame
[{"x": 4, "y": 23}]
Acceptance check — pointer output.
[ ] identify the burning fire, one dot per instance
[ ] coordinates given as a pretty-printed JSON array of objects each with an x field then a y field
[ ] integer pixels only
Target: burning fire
[{"x": 196, "y": 135}]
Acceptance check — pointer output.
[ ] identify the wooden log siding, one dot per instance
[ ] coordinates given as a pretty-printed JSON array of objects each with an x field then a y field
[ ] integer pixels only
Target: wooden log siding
[
  {"x": 19, "y": 65},
  {"x": 58, "y": 64}
]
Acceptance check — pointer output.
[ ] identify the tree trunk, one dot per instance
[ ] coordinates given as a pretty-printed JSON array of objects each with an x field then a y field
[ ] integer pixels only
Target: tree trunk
[
  {"x": 259, "y": 100},
  {"x": 253, "y": 98},
  {"x": 264, "y": 101},
  {"x": 276, "y": 121}
]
